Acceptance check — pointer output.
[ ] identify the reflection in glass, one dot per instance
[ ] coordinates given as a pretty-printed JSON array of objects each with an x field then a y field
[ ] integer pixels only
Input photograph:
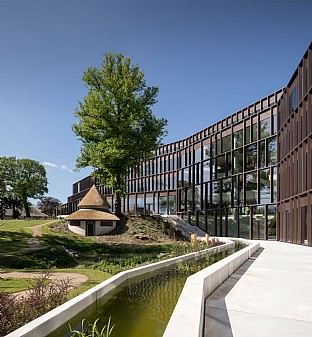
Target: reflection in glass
[
  {"x": 206, "y": 171},
  {"x": 206, "y": 151},
  {"x": 211, "y": 222},
  {"x": 197, "y": 155},
  {"x": 272, "y": 150},
  {"x": 226, "y": 143},
  {"x": 131, "y": 205},
  {"x": 163, "y": 204},
  {"x": 265, "y": 128},
  {"x": 221, "y": 167},
  {"x": 251, "y": 157},
  {"x": 216, "y": 194},
  {"x": 264, "y": 186},
  {"x": 149, "y": 204},
  {"x": 254, "y": 132},
  {"x": 197, "y": 197},
  {"x": 271, "y": 214},
  {"x": 238, "y": 161},
  {"x": 274, "y": 184},
  {"x": 262, "y": 154},
  {"x": 247, "y": 134},
  {"x": 226, "y": 192},
  {"x": 238, "y": 190},
  {"x": 258, "y": 222},
  {"x": 172, "y": 204},
  {"x": 251, "y": 188},
  {"x": 244, "y": 222},
  {"x": 238, "y": 138},
  {"x": 232, "y": 222}
]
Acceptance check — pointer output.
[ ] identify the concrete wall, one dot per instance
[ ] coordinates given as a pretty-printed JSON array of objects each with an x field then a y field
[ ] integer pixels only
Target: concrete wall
[
  {"x": 98, "y": 229},
  {"x": 47, "y": 323},
  {"x": 186, "y": 323}
]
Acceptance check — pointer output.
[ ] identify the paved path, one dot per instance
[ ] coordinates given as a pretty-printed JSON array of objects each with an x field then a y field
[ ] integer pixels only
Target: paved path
[{"x": 270, "y": 295}]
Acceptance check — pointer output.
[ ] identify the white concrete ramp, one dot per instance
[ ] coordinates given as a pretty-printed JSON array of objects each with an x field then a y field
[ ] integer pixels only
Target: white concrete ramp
[{"x": 270, "y": 295}]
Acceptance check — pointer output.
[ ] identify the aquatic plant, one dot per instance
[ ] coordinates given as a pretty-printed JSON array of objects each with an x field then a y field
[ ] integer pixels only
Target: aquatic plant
[{"x": 91, "y": 330}]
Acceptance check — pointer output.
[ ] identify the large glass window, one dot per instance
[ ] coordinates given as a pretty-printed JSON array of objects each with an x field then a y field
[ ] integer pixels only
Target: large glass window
[
  {"x": 264, "y": 186},
  {"x": 186, "y": 176},
  {"x": 228, "y": 164},
  {"x": 238, "y": 159},
  {"x": 247, "y": 134},
  {"x": 197, "y": 155},
  {"x": 140, "y": 204},
  {"x": 254, "y": 132},
  {"x": 238, "y": 138},
  {"x": 265, "y": 128},
  {"x": 211, "y": 220},
  {"x": 271, "y": 215},
  {"x": 232, "y": 222},
  {"x": 226, "y": 143},
  {"x": 272, "y": 151},
  {"x": 163, "y": 204},
  {"x": 226, "y": 192},
  {"x": 262, "y": 162},
  {"x": 149, "y": 204},
  {"x": 206, "y": 171},
  {"x": 251, "y": 157},
  {"x": 221, "y": 167},
  {"x": 251, "y": 188},
  {"x": 274, "y": 184},
  {"x": 244, "y": 222},
  {"x": 131, "y": 205},
  {"x": 206, "y": 151},
  {"x": 197, "y": 197},
  {"x": 258, "y": 222},
  {"x": 238, "y": 190},
  {"x": 216, "y": 194}
]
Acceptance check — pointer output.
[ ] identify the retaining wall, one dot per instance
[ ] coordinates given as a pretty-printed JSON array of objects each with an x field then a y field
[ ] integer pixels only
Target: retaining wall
[
  {"x": 49, "y": 322},
  {"x": 187, "y": 318}
]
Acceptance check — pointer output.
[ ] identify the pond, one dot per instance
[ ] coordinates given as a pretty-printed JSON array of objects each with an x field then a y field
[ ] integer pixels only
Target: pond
[{"x": 144, "y": 307}]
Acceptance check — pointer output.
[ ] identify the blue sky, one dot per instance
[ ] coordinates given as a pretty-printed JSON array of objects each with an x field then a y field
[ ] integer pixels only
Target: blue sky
[{"x": 209, "y": 59}]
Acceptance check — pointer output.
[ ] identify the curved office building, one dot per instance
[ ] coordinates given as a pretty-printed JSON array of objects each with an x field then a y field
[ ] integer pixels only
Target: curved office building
[{"x": 248, "y": 175}]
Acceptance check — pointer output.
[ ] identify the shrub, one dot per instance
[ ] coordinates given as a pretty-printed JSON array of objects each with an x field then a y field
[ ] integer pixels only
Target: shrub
[{"x": 42, "y": 296}]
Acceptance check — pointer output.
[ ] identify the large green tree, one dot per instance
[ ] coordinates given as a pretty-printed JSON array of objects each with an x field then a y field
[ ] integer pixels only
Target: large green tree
[
  {"x": 116, "y": 124},
  {"x": 23, "y": 179},
  {"x": 47, "y": 205}
]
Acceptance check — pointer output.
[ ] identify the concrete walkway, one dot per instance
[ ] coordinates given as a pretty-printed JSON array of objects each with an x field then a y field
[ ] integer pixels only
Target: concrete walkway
[{"x": 270, "y": 295}]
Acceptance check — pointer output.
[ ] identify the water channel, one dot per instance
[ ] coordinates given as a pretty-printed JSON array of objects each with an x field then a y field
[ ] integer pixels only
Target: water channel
[{"x": 143, "y": 308}]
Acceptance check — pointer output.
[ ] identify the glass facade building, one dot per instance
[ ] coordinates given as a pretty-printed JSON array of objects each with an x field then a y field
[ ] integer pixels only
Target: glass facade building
[{"x": 248, "y": 175}]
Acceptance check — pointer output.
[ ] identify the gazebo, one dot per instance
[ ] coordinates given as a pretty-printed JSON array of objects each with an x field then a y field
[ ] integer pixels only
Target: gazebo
[{"x": 93, "y": 216}]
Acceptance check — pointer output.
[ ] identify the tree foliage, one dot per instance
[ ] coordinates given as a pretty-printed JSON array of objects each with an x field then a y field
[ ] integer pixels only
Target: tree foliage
[
  {"x": 116, "y": 124},
  {"x": 47, "y": 205},
  {"x": 22, "y": 179}
]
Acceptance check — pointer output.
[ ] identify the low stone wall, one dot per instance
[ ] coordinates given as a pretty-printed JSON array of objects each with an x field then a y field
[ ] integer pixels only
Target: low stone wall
[
  {"x": 188, "y": 316},
  {"x": 49, "y": 322}
]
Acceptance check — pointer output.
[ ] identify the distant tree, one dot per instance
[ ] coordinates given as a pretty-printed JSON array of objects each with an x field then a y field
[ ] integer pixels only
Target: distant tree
[
  {"x": 117, "y": 127},
  {"x": 2, "y": 195},
  {"x": 47, "y": 205},
  {"x": 23, "y": 178}
]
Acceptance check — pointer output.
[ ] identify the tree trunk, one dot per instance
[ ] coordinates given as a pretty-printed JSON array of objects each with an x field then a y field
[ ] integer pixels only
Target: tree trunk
[
  {"x": 117, "y": 203},
  {"x": 26, "y": 207}
]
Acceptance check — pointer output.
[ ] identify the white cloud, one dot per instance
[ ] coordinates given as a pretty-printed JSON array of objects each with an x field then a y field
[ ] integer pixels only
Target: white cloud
[{"x": 60, "y": 167}]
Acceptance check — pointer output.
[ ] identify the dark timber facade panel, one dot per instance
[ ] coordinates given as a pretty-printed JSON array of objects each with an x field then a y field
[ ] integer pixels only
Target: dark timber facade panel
[{"x": 248, "y": 175}]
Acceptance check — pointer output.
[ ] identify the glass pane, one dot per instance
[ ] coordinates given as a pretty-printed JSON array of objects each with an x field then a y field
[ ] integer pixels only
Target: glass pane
[
  {"x": 226, "y": 192},
  {"x": 271, "y": 214},
  {"x": 244, "y": 222},
  {"x": 251, "y": 188},
  {"x": 264, "y": 186},
  {"x": 140, "y": 205},
  {"x": 274, "y": 184},
  {"x": 221, "y": 167},
  {"x": 251, "y": 157},
  {"x": 163, "y": 204},
  {"x": 197, "y": 155},
  {"x": 172, "y": 204},
  {"x": 238, "y": 138},
  {"x": 272, "y": 151},
  {"x": 206, "y": 171},
  {"x": 197, "y": 197},
  {"x": 206, "y": 153},
  {"x": 131, "y": 205},
  {"x": 262, "y": 162},
  {"x": 258, "y": 222},
  {"x": 216, "y": 194},
  {"x": 211, "y": 221},
  {"x": 265, "y": 128},
  {"x": 238, "y": 161},
  {"x": 149, "y": 204},
  {"x": 226, "y": 143},
  {"x": 254, "y": 132},
  {"x": 247, "y": 134},
  {"x": 232, "y": 222}
]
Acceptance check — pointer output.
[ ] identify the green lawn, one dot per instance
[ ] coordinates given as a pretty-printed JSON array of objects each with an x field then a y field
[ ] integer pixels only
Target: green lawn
[
  {"x": 14, "y": 233},
  {"x": 12, "y": 285}
]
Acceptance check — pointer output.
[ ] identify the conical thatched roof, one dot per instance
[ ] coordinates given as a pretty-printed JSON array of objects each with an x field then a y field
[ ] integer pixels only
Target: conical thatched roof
[
  {"x": 93, "y": 199},
  {"x": 92, "y": 214}
]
